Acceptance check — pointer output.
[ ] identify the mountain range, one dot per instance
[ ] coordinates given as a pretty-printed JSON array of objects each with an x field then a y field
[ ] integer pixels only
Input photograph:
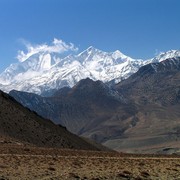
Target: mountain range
[
  {"x": 126, "y": 104},
  {"x": 43, "y": 73},
  {"x": 139, "y": 114}
]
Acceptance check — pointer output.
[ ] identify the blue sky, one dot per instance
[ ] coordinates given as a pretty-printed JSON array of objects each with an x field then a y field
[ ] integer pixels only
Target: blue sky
[{"x": 138, "y": 28}]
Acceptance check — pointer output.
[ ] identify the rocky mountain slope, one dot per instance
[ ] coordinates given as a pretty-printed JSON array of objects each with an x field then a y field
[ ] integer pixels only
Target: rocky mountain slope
[
  {"x": 87, "y": 109},
  {"x": 157, "y": 83},
  {"x": 155, "y": 90},
  {"x": 140, "y": 114},
  {"x": 22, "y": 125}
]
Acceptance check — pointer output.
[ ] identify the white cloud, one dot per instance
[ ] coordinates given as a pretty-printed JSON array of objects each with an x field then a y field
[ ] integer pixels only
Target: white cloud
[
  {"x": 158, "y": 52},
  {"x": 57, "y": 46}
]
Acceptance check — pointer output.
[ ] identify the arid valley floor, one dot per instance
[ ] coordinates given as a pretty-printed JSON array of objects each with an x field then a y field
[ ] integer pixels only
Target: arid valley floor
[{"x": 25, "y": 162}]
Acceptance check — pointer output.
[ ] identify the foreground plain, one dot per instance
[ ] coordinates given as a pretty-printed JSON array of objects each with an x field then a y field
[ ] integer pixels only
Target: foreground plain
[{"x": 26, "y": 162}]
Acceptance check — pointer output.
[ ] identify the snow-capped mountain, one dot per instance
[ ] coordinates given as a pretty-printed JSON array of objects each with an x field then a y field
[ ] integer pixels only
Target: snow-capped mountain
[
  {"x": 44, "y": 71},
  {"x": 27, "y": 69},
  {"x": 164, "y": 55}
]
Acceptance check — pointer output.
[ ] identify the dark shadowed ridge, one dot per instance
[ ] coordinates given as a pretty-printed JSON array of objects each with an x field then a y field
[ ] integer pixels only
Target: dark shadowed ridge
[{"x": 24, "y": 125}]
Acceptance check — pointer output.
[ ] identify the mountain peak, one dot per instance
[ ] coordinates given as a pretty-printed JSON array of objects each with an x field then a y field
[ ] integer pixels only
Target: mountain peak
[
  {"x": 118, "y": 54},
  {"x": 90, "y": 48}
]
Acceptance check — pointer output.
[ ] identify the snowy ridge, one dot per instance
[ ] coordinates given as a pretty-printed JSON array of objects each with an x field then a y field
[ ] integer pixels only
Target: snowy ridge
[
  {"x": 164, "y": 55},
  {"x": 45, "y": 71}
]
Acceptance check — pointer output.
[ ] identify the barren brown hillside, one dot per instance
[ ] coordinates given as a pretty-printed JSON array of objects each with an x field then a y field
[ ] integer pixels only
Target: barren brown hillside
[{"x": 25, "y": 126}]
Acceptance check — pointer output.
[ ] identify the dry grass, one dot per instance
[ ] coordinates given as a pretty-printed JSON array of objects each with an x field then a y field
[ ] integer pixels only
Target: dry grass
[{"x": 57, "y": 164}]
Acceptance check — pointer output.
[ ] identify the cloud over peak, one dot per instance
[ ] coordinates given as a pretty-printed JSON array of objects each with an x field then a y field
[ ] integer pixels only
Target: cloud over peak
[{"x": 57, "y": 46}]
